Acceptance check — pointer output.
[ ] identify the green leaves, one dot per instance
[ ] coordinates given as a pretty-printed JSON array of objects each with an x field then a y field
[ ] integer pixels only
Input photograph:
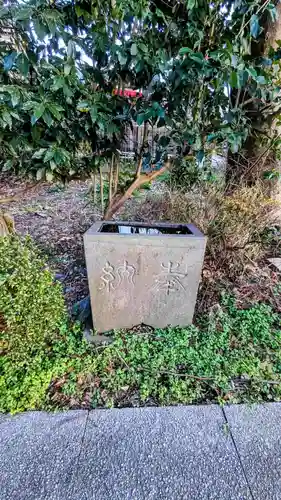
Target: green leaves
[
  {"x": 9, "y": 60},
  {"x": 94, "y": 114},
  {"x": 69, "y": 74},
  {"x": 194, "y": 56},
  {"x": 37, "y": 113},
  {"x": 46, "y": 110},
  {"x": 48, "y": 118},
  {"x": 143, "y": 48},
  {"x": 252, "y": 72},
  {"x": 254, "y": 26},
  {"x": 134, "y": 49},
  {"x": 233, "y": 80},
  {"x": 23, "y": 13},
  {"x": 197, "y": 57},
  {"x": 58, "y": 83},
  {"x": 7, "y": 118},
  {"x": 67, "y": 69},
  {"x": 15, "y": 97},
  {"x": 122, "y": 58},
  {"x": 40, "y": 29},
  {"x": 83, "y": 106},
  {"x": 191, "y": 4},
  {"x": 55, "y": 110},
  {"x": 23, "y": 64},
  {"x": 184, "y": 50},
  {"x": 140, "y": 118},
  {"x": 261, "y": 79},
  {"x": 39, "y": 154}
]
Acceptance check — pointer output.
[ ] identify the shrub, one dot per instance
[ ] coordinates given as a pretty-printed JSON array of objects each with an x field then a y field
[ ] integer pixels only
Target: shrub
[
  {"x": 234, "y": 223},
  {"x": 31, "y": 303},
  {"x": 186, "y": 173}
]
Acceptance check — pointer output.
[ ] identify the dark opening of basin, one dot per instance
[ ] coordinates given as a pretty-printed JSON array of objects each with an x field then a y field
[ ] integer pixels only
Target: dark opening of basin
[{"x": 144, "y": 229}]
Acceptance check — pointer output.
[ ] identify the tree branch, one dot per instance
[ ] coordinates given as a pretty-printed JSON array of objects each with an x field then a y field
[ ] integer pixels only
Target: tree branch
[{"x": 116, "y": 204}]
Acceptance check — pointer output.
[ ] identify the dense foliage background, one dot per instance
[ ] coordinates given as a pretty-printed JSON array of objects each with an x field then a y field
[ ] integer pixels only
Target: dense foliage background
[{"x": 205, "y": 71}]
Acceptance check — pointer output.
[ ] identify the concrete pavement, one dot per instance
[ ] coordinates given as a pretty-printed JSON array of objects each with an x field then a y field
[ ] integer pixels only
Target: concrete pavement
[{"x": 173, "y": 453}]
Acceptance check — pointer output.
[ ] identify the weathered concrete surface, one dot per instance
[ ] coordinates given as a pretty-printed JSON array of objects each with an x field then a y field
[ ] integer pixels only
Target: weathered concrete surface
[
  {"x": 176, "y": 453},
  {"x": 39, "y": 454},
  {"x": 159, "y": 454},
  {"x": 257, "y": 433},
  {"x": 139, "y": 278}
]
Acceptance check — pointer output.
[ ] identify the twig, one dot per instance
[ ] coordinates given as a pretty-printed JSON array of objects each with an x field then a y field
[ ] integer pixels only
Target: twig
[
  {"x": 244, "y": 246},
  {"x": 94, "y": 187},
  {"x": 248, "y": 101},
  {"x": 176, "y": 374},
  {"x": 237, "y": 98},
  {"x": 122, "y": 359}
]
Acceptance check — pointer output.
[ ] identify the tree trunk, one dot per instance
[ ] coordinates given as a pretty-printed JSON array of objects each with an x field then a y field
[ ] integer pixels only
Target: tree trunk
[{"x": 257, "y": 155}]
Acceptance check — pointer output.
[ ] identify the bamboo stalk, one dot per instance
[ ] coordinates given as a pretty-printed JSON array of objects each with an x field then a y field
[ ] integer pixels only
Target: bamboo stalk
[
  {"x": 140, "y": 159},
  {"x": 110, "y": 179},
  {"x": 101, "y": 191},
  {"x": 116, "y": 177},
  {"x": 95, "y": 188}
]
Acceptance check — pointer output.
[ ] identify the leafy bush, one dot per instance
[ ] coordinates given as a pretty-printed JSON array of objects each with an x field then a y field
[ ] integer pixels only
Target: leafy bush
[
  {"x": 31, "y": 303},
  {"x": 186, "y": 173}
]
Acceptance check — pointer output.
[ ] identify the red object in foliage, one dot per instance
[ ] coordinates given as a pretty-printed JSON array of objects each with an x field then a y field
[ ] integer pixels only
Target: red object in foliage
[{"x": 127, "y": 93}]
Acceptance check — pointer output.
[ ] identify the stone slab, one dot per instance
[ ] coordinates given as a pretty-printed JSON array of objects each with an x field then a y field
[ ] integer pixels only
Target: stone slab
[
  {"x": 175, "y": 453},
  {"x": 143, "y": 278},
  {"x": 38, "y": 454},
  {"x": 257, "y": 434}
]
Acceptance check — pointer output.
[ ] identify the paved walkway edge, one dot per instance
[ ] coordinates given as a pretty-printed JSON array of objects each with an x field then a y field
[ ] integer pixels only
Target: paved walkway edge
[{"x": 184, "y": 452}]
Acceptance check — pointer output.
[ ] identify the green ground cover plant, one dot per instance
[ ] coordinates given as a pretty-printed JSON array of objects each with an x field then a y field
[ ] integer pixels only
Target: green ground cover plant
[{"x": 231, "y": 355}]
